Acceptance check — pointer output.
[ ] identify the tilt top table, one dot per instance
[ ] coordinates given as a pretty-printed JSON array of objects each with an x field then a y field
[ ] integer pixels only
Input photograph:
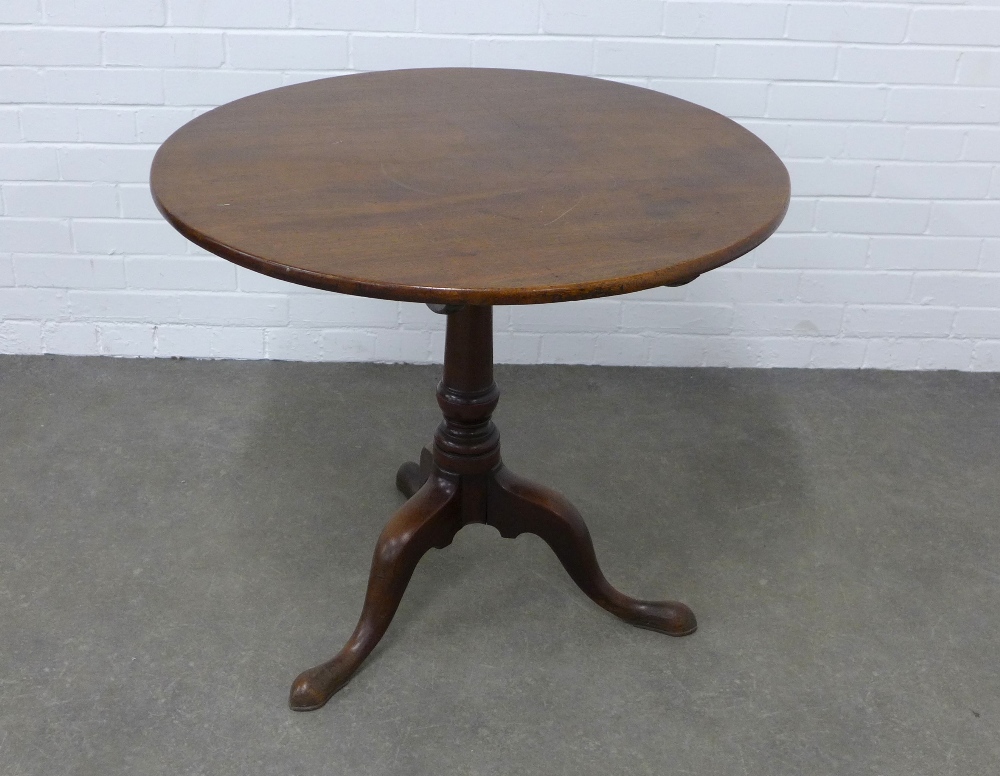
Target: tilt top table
[{"x": 464, "y": 189}]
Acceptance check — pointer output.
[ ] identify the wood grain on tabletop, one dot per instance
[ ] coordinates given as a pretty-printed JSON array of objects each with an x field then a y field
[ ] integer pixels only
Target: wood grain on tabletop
[{"x": 474, "y": 186}]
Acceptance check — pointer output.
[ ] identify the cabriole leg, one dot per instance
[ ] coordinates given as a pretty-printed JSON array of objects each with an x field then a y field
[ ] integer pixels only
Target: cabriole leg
[
  {"x": 429, "y": 519},
  {"x": 517, "y": 506}
]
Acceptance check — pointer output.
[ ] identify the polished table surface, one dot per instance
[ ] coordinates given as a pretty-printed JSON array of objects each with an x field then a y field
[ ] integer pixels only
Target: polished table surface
[
  {"x": 465, "y": 189},
  {"x": 475, "y": 186}
]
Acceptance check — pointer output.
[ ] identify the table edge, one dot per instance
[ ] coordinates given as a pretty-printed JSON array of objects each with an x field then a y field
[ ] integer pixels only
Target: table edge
[{"x": 674, "y": 275}]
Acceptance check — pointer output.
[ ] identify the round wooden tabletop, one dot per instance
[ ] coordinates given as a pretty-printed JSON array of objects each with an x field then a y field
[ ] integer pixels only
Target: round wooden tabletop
[{"x": 470, "y": 186}]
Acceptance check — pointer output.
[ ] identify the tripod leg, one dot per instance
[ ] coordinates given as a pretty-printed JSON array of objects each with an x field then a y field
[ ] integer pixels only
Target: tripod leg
[
  {"x": 411, "y": 476},
  {"x": 431, "y": 518},
  {"x": 517, "y": 506}
]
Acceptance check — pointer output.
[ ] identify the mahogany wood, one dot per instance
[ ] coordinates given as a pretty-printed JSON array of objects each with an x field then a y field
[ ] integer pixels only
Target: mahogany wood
[
  {"x": 462, "y": 480},
  {"x": 429, "y": 519},
  {"x": 464, "y": 189},
  {"x": 519, "y": 506},
  {"x": 470, "y": 185},
  {"x": 411, "y": 476}
]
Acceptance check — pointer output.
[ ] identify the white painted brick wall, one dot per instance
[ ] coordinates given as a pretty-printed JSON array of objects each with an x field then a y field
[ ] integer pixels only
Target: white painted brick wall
[{"x": 886, "y": 113}]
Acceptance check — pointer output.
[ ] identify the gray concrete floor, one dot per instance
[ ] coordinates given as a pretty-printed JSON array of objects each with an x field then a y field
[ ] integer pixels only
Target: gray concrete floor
[{"x": 179, "y": 539}]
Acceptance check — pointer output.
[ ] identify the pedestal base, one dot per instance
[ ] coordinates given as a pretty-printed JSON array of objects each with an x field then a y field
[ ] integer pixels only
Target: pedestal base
[{"x": 462, "y": 480}]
